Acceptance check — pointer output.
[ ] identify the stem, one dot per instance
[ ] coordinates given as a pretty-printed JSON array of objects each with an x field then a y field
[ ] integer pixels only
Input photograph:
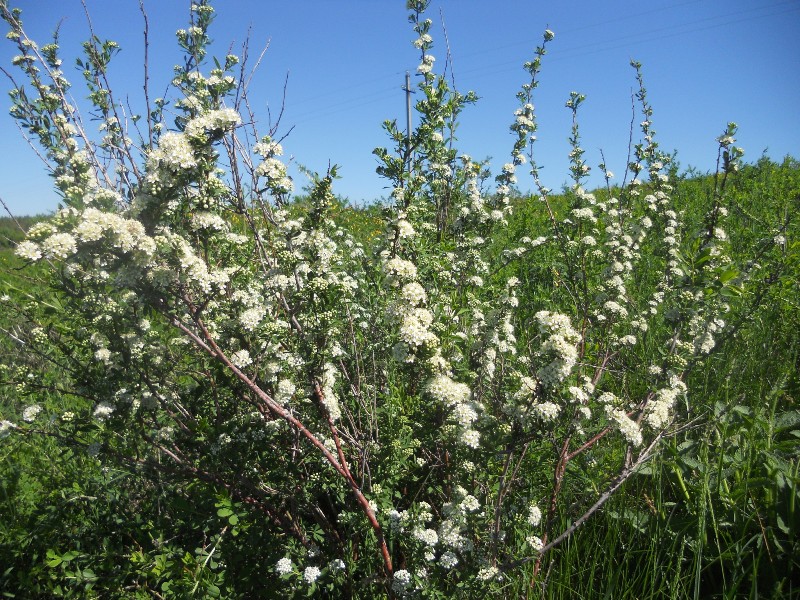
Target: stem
[{"x": 211, "y": 347}]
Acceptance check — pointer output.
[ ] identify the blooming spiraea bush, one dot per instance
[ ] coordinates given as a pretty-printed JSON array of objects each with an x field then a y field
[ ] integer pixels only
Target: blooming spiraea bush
[{"x": 401, "y": 417}]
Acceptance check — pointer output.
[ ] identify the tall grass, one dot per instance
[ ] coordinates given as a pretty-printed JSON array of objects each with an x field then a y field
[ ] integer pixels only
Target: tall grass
[{"x": 715, "y": 515}]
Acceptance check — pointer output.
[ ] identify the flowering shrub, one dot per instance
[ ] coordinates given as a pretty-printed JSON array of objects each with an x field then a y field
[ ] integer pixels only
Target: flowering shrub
[{"x": 403, "y": 418}]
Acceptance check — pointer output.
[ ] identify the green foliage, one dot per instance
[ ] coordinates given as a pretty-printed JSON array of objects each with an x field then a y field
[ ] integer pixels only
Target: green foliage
[{"x": 213, "y": 388}]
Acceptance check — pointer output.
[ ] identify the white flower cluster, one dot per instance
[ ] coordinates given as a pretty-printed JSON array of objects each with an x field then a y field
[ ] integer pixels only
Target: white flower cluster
[
  {"x": 452, "y": 529},
  {"x": 657, "y": 411},
  {"x": 524, "y": 406},
  {"x": 31, "y": 412},
  {"x": 6, "y": 427},
  {"x": 93, "y": 225},
  {"x": 212, "y": 123},
  {"x": 207, "y": 221},
  {"x": 252, "y": 317},
  {"x": 409, "y": 311},
  {"x": 241, "y": 358},
  {"x": 311, "y": 574},
  {"x": 627, "y": 426},
  {"x": 329, "y": 399},
  {"x": 559, "y": 347},
  {"x": 426, "y": 65},
  {"x": 401, "y": 581},
  {"x": 103, "y": 411},
  {"x": 59, "y": 246},
  {"x": 458, "y": 397},
  {"x": 272, "y": 169},
  {"x": 284, "y": 566},
  {"x": 534, "y": 515},
  {"x": 415, "y": 329},
  {"x": 398, "y": 271},
  {"x": 174, "y": 153},
  {"x": 191, "y": 268},
  {"x": 495, "y": 338}
]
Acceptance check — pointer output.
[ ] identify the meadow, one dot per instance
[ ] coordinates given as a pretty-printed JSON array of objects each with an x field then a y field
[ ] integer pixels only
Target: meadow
[{"x": 213, "y": 385}]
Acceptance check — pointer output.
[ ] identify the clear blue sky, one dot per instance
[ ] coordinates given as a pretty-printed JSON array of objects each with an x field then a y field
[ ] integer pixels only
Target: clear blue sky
[{"x": 706, "y": 62}]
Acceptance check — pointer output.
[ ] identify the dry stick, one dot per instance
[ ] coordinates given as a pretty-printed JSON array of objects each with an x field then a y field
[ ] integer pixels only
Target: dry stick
[
  {"x": 500, "y": 493},
  {"x": 615, "y": 484},
  {"x": 558, "y": 480},
  {"x": 211, "y": 347},
  {"x": 10, "y": 214},
  {"x": 146, "y": 84},
  {"x": 630, "y": 146},
  {"x": 126, "y": 149},
  {"x": 604, "y": 497}
]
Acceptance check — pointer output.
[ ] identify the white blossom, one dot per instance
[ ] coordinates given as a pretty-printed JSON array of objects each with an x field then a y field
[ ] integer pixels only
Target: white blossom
[{"x": 284, "y": 566}]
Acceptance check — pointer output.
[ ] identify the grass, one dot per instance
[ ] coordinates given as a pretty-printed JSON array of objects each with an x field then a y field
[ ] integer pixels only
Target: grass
[{"x": 714, "y": 515}]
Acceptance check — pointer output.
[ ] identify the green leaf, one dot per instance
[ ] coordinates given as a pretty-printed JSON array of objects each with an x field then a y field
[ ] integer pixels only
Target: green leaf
[
  {"x": 54, "y": 561},
  {"x": 728, "y": 274},
  {"x": 782, "y": 525},
  {"x": 787, "y": 419}
]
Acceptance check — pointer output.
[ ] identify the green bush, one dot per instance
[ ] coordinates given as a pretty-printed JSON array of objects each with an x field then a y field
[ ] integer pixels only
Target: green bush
[{"x": 215, "y": 388}]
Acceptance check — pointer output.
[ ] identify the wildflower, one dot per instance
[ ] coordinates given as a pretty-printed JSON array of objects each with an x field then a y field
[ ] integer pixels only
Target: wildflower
[
  {"x": 208, "y": 221},
  {"x": 470, "y": 438},
  {"x": 657, "y": 412},
  {"x": 426, "y": 65},
  {"x": 470, "y": 503},
  {"x": 402, "y": 580},
  {"x": 103, "y": 355},
  {"x": 448, "y": 560},
  {"x": 397, "y": 269},
  {"x": 627, "y": 426},
  {"x": 174, "y": 152},
  {"x": 428, "y": 537},
  {"x": 404, "y": 229},
  {"x": 31, "y": 412},
  {"x": 213, "y": 121},
  {"x": 547, "y": 410},
  {"x": 29, "y": 251},
  {"x": 5, "y": 428},
  {"x": 284, "y": 566},
  {"x": 241, "y": 359},
  {"x": 103, "y": 411},
  {"x": 329, "y": 399},
  {"x": 414, "y": 330},
  {"x": 285, "y": 391},
  {"x": 444, "y": 389},
  {"x": 252, "y": 317},
  {"x": 59, "y": 245},
  {"x": 337, "y": 564},
  {"x": 535, "y": 542},
  {"x": 414, "y": 294},
  {"x": 534, "y": 515},
  {"x": 311, "y": 574}
]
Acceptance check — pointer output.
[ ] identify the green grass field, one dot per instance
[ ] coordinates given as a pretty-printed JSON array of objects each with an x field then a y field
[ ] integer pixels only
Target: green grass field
[{"x": 714, "y": 515}]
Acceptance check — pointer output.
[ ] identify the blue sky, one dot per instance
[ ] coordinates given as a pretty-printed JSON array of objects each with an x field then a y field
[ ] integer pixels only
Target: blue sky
[{"x": 706, "y": 62}]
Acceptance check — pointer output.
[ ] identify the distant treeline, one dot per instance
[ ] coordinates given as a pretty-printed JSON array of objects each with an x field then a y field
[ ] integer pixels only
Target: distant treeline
[{"x": 10, "y": 232}]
